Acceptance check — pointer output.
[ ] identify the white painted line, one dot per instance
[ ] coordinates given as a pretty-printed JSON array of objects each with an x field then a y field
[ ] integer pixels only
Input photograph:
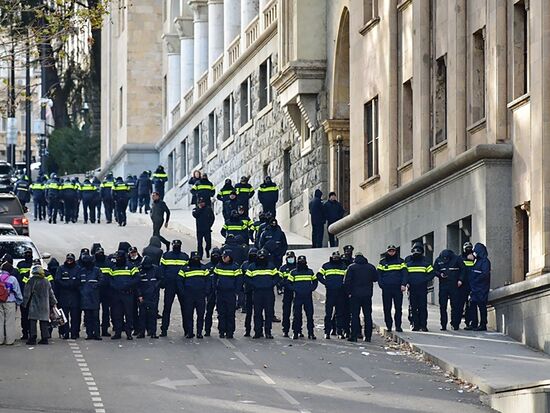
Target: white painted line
[
  {"x": 264, "y": 376},
  {"x": 99, "y": 410},
  {"x": 197, "y": 373},
  {"x": 94, "y": 393},
  {"x": 227, "y": 343},
  {"x": 86, "y": 374},
  {"x": 96, "y": 399},
  {"x": 89, "y": 379},
  {"x": 243, "y": 358},
  {"x": 91, "y": 388},
  {"x": 84, "y": 369},
  {"x": 287, "y": 397},
  {"x": 82, "y": 364},
  {"x": 98, "y": 405},
  {"x": 80, "y": 360}
]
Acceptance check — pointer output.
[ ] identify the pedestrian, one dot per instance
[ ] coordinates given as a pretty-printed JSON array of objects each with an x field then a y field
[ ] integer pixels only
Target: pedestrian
[
  {"x": 153, "y": 250},
  {"x": 159, "y": 178},
  {"x": 204, "y": 219},
  {"x": 268, "y": 195},
  {"x": 170, "y": 264},
  {"x": 24, "y": 275},
  {"x": 38, "y": 299},
  {"x": 331, "y": 275},
  {"x": 121, "y": 196},
  {"x": 22, "y": 191},
  {"x": 104, "y": 266},
  {"x": 227, "y": 188},
  {"x": 91, "y": 279},
  {"x": 273, "y": 239},
  {"x": 144, "y": 190},
  {"x": 227, "y": 282},
  {"x": 89, "y": 194},
  {"x": 107, "y": 196},
  {"x": 262, "y": 276},
  {"x": 358, "y": 282},
  {"x": 480, "y": 283},
  {"x": 195, "y": 177},
  {"x": 333, "y": 212},
  {"x": 123, "y": 282},
  {"x": 302, "y": 281},
  {"x": 131, "y": 183},
  {"x": 392, "y": 279},
  {"x": 52, "y": 196},
  {"x": 245, "y": 192},
  {"x": 420, "y": 273},
  {"x": 229, "y": 205},
  {"x": 450, "y": 271},
  {"x": 248, "y": 307},
  {"x": 205, "y": 189},
  {"x": 10, "y": 298},
  {"x": 38, "y": 191},
  {"x": 148, "y": 292},
  {"x": 67, "y": 283},
  {"x": 194, "y": 283},
  {"x": 158, "y": 213},
  {"x": 317, "y": 213},
  {"x": 283, "y": 288},
  {"x": 468, "y": 260},
  {"x": 215, "y": 259}
]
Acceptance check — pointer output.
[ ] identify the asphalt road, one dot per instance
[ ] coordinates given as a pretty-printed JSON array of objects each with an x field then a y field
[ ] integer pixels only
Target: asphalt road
[{"x": 176, "y": 374}]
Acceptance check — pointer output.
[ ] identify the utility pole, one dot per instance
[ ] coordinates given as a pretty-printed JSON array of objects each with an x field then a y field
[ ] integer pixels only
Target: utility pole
[
  {"x": 28, "y": 113},
  {"x": 43, "y": 103},
  {"x": 11, "y": 103}
]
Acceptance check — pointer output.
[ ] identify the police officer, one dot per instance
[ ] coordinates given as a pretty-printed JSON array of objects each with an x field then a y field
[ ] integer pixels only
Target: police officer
[
  {"x": 123, "y": 282},
  {"x": 331, "y": 275},
  {"x": 262, "y": 276},
  {"x": 248, "y": 292},
  {"x": 464, "y": 290},
  {"x": 358, "y": 282},
  {"x": 229, "y": 205},
  {"x": 107, "y": 196},
  {"x": 22, "y": 190},
  {"x": 89, "y": 195},
  {"x": 90, "y": 287},
  {"x": 268, "y": 195},
  {"x": 148, "y": 293},
  {"x": 215, "y": 259},
  {"x": 76, "y": 182},
  {"x": 131, "y": 183},
  {"x": 134, "y": 258},
  {"x": 203, "y": 188},
  {"x": 121, "y": 195},
  {"x": 69, "y": 195},
  {"x": 245, "y": 192},
  {"x": 227, "y": 282},
  {"x": 227, "y": 188},
  {"x": 480, "y": 282},
  {"x": 420, "y": 273},
  {"x": 318, "y": 219},
  {"x": 204, "y": 219},
  {"x": 284, "y": 288},
  {"x": 302, "y": 281},
  {"x": 450, "y": 271},
  {"x": 104, "y": 265},
  {"x": 273, "y": 239},
  {"x": 67, "y": 282},
  {"x": 170, "y": 264},
  {"x": 24, "y": 274},
  {"x": 144, "y": 188},
  {"x": 194, "y": 283},
  {"x": 53, "y": 198},
  {"x": 159, "y": 178},
  {"x": 257, "y": 226},
  {"x": 236, "y": 226},
  {"x": 392, "y": 279},
  {"x": 38, "y": 191},
  {"x": 97, "y": 200}
]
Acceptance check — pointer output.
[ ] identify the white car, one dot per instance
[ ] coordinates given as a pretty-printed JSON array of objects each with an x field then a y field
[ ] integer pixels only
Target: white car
[
  {"x": 7, "y": 229},
  {"x": 15, "y": 245}
]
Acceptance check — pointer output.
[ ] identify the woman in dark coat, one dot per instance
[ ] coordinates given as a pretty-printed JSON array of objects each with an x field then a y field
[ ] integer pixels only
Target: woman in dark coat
[
  {"x": 197, "y": 175},
  {"x": 38, "y": 299}
]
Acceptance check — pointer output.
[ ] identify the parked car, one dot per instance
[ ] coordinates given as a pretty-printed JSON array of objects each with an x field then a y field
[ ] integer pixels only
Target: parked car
[
  {"x": 12, "y": 212},
  {"x": 7, "y": 177},
  {"x": 15, "y": 245},
  {"x": 7, "y": 229}
]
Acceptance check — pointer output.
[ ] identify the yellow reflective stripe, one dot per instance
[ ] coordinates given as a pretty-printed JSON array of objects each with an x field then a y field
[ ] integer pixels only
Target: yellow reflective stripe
[
  {"x": 159, "y": 175},
  {"x": 88, "y": 188},
  {"x": 193, "y": 273},
  {"x": 227, "y": 273},
  {"x": 105, "y": 270},
  {"x": 165, "y": 261},
  {"x": 24, "y": 270},
  {"x": 295, "y": 278},
  {"x": 235, "y": 227},
  {"x": 421, "y": 269},
  {"x": 25, "y": 280},
  {"x": 201, "y": 187},
  {"x": 468, "y": 263},
  {"x": 255, "y": 273},
  {"x": 239, "y": 190},
  {"x": 269, "y": 189},
  {"x": 223, "y": 193},
  {"x": 49, "y": 278},
  {"x": 391, "y": 267},
  {"x": 334, "y": 271},
  {"x": 128, "y": 272},
  {"x": 107, "y": 184}
]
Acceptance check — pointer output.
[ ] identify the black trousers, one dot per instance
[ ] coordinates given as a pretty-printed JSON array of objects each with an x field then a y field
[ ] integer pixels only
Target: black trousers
[
  {"x": 98, "y": 207},
  {"x": 74, "y": 319},
  {"x": 210, "y": 305},
  {"x": 317, "y": 231},
  {"x": 193, "y": 303},
  {"x": 121, "y": 206},
  {"x": 133, "y": 203},
  {"x": 288, "y": 298},
  {"x": 122, "y": 308},
  {"x": 39, "y": 209},
  {"x": 105, "y": 301},
  {"x": 305, "y": 303},
  {"x": 332, "y": 240},
  {"x": 464, "y": 304},
  {"x": 157, "y": 225},
  {"x": 88, "y": 210},
  {"x": 226, "y": 304},
  {"x": 334, "y": 307},
  {"x": 143, "y": 201},
  {"x": 147, "y": 318},
  {"x": 359, "y": 304},
  {"x": 419, "y": 305},
  {"x": 270, "y": 208},
  {"x": 207, "y": 237},
  {"x": 449, "y": 293},
  {"x": 71, "y": 206},
  {"x": 249, "y": 310},
  {"x": 24, "y": 321},
  {"x": 91, "y": 322},
  {"x": 478, "y": 308},
  {"x": 170, "y": 292},
  {"x": 392, "y": 295},
  {"x": 264, "y": 309},
  {"x": 44, "y": 331},
  {"x": 53, "y": 209},
  {"x": 108, "y": 207}
]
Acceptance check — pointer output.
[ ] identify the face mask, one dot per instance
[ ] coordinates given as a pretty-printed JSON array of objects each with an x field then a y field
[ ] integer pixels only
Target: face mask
[
  {"x": 176, "y": 248},
  {"x": 291, "y": 261}
]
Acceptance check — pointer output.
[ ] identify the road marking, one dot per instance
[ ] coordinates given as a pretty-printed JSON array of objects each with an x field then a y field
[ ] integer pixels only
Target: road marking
[
  {"x": 287, "y": 397},
  {"x": 358, "y": 382},
  {"x": 88, "y": 378},
  {"x": 243, "y": 358},
  {"x": 264, "y": 376},
  {"x": 174, "y": 384},
  {"x": 227, "y": 343}
]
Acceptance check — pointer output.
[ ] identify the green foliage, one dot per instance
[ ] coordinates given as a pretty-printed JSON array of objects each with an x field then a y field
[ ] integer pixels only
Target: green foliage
[{"x": 72, "y": 151}]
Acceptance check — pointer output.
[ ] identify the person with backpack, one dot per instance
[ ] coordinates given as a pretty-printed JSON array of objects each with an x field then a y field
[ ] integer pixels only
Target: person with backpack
[{"x": 10, "y": 298}]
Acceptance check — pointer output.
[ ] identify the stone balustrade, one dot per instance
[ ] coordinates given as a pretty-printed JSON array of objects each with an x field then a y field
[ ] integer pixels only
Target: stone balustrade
[{"x": 252, "y": 31}]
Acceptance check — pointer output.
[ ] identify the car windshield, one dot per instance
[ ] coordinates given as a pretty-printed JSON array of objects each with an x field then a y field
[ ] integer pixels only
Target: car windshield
[
  {"x": 5, "y": 169},
  {"x": 17, "y": 249},
  {"x": 10, "y": 206},
  {"x": 7, "y": 231}
]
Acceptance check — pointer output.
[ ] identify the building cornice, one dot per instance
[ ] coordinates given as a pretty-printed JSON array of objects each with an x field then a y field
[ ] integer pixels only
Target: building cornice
[{"x": 126, "y": 149}]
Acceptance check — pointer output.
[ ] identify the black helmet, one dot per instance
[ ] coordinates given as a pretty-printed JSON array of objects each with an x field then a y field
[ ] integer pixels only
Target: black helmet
[
  {"x": 348, "y": 249},
  {"x": 262, "y": 254},
  {"x": 195, "y": 256},
  {"x": 391, "y": 247},
  {"x": 467, "y": 247},
  {"x": 70, "y": 256},
  {"x": 176, "y": 242},
  {"x": 120, "y": 254},
  {"x": 216, "y": 252},
  {"x": 290, "y": 254},
  {"x": 302, "y": 260},
  {"x": 335, "y": 256},
  {"x": 417, "y": 249}
]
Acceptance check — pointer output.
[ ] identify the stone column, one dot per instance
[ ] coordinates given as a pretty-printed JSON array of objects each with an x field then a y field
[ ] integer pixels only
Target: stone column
[
  {"x": 200, "y": 45},
  {"x": 249, "y": 10},
  {"x": 231, "y": 21},
  {"x": 215, "y": 30},
  {"x": 173, "y": 74},
  {"x": 184, "y": 25}
]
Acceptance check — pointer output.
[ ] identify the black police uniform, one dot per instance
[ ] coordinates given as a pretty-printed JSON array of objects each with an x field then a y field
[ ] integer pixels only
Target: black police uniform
[
  {"x": 227, "y": 282},
  {"x": 450, "y": 270},
  {"x": 91, "y": 279},
  {"x": 248, "y": 292},
  {"x": 302, "y": 281},
  {"x": 148, "y": 292},
  {"x": 288, "y": 293},
  {"x": 170, "y": 264},
  {"x": 331, "y": 275},
  {"x": 420, "y": 273},
  {"x": 67, "y": 282},
  {"x": 211, "y": 298},
  {"x": 123, "y": 282},
  {"x": 194, "y": 283},
  {"x": 392, "y": 275},
  {"x": 204, "y": 219}
]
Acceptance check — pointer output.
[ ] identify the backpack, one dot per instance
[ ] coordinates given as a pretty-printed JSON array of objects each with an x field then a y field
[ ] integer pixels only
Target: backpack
[{"x": 5, "y": 289}]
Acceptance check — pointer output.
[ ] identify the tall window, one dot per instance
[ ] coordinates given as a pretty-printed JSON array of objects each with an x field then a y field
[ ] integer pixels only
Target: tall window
[
  {"x": 184, "y": 164},
  {"x": 371, "y": 137},
  {"x": 440, "y": 101},
  {"x": 521, "y": 49},
  {"x": 265, "y": 83},
  {"x": 477, "y": 106},
  {"x": 228, "y": 121},
  {"x": 287, "y": 182},
  {"x": 246, "y": 103},
  {"x": 406, "y": 122},
  {"x": 120, "y": 107},
  {"x": 212, "y": 131},
  {"x": 370, "y": 10},
  {"x": 197, "y": 144},
  {"x": 305, "y": 134}
]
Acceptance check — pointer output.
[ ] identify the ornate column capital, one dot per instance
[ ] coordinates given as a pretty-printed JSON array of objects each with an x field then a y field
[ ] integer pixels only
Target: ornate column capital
[
  {"x": 184, "y": 26},
  {"x": 200, "y": 10},
  {"x": 172, "y": 43}
]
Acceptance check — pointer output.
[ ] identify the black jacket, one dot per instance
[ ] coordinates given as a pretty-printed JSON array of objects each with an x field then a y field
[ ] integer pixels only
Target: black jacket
[
  {"x": 316, "y": 209},
  {"x": 360, "y": 278},
  {"x": 274, "y": 241},
  {"x": 268, "y": 195},
  {"x": 450, "y": 269},
  {"x": 333, "y": 211},
  {"x": 204, "y": 218},
  {"x": 144, "y": 185},
  {"x": 153, "y": 250},
  {"x": 158, "y": 210},
  {"x": 67, "y": 282}
]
